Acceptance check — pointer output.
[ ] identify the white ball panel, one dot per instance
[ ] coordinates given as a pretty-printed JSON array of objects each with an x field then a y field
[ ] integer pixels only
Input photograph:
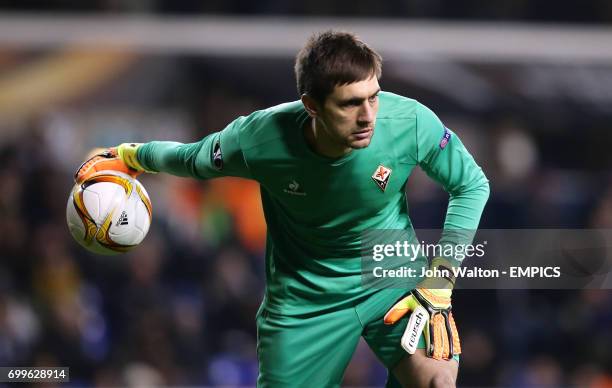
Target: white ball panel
[
  {"x": 123, "y": 229},
  {"x": 143, "y": 221},
  {"x": 101, "y": 198},
  {"x": 75, "y": 225}
]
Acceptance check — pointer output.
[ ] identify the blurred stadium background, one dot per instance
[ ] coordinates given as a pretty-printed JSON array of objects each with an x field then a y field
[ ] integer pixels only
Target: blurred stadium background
[{"x": 526, "y": 84}]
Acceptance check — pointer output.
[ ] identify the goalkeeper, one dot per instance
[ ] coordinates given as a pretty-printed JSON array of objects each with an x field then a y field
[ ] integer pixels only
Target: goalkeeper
[{"x": 330, "y": 166}]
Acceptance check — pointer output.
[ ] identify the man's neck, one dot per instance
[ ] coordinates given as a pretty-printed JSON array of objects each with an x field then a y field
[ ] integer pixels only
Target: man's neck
[{"x": 319, "y": 141}]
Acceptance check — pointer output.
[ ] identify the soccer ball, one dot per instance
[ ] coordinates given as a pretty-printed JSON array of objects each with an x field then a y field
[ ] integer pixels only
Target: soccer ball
[{"x": 109, "y": 213}]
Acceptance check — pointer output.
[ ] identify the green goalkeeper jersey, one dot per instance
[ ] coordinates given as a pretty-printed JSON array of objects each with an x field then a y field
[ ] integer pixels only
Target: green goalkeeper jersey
[{"x": 316, "y": 208}]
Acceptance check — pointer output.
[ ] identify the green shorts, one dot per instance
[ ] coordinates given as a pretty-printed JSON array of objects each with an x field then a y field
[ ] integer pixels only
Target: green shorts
[{"x": 314, "y": 350}]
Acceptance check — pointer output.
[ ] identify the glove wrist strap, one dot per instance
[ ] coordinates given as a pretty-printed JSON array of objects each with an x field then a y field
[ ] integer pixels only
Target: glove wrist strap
[{"x": 128, "y": 153}]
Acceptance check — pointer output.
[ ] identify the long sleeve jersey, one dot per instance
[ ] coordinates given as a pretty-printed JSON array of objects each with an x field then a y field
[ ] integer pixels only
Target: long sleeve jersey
[{"x": 317, "y": 208}]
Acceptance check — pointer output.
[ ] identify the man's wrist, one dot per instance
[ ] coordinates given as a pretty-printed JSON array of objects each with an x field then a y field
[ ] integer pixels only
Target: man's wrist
[
  {"x": 128, "y": 153},
  {"x": 445, "y": 268},
  {"x": 441, "y": 276}
]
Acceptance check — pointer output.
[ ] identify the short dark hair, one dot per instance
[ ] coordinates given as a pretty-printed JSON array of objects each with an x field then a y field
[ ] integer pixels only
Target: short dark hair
[{"x": 332, "y": 58}]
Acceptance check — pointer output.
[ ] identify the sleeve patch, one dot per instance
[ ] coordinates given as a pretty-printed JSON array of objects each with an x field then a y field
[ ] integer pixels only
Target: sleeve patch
[
  {"x": 445, "y": 138},
  {"x": 217, "y": 156}
]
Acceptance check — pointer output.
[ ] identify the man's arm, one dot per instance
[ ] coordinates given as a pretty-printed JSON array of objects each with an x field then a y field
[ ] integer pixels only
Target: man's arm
[
  {"x": 444, "y": 158},
  {"x": 218, "y": 154}
]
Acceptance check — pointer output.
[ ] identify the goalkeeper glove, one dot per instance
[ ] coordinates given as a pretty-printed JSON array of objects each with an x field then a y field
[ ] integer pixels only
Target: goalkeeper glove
[
  {"x": 121, "y": 158},
  {"x": 430, "y": 304}
]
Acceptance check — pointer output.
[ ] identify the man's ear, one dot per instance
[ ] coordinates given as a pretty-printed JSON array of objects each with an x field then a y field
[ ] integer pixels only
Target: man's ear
[{"x": 310, "y": 105}]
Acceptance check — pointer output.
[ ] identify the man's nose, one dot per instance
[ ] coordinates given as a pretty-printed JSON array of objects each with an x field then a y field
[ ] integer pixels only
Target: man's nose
[{"x": 367, "y": 113}]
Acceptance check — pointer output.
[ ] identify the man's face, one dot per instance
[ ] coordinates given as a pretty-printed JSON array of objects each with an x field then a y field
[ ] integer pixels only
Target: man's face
[{"x": 348, "y": 115}]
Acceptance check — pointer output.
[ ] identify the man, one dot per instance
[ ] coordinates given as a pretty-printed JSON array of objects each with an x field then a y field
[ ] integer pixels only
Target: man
[{"x": 331, "y": 166}]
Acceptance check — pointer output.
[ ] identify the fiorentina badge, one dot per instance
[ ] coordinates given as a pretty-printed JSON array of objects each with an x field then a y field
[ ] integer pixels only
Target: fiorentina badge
[{"x": 381, "y": 176}]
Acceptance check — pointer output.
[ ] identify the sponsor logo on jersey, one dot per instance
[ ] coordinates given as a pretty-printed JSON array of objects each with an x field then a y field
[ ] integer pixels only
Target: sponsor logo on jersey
[
  {"x": 217, "y": 156},
  {"x": 293, "y": 188},
  {"x": 445, "y": 138},
  {"x": 381, "y": 176}
]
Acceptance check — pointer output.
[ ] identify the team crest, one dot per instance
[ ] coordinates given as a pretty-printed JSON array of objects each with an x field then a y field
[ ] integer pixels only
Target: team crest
[{"x": 381, "y": 176}]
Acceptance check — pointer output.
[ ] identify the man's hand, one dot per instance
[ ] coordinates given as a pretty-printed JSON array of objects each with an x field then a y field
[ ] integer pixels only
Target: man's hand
[
  {"x": 430, "y": 304},
  {"x": 121, "y": 158}
]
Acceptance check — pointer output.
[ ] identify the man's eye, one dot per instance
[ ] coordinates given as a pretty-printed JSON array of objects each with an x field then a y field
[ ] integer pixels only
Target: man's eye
[{"x": 373, "y": 98}]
